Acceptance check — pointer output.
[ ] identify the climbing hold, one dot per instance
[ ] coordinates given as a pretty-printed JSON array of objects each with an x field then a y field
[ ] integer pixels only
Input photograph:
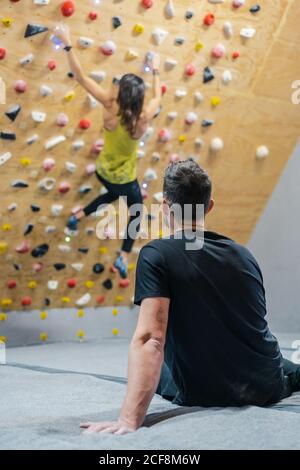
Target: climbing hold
[
  {"x": 51, "y": 65},
  {"x": 62, "y": 120},
  {"x": 98, "y": 268},
  {"x": 123, "y": 283},
  {"x": 37, "y": 267},
  {"x": 247, "y": 33},
  {"x": 89, "y": 284},
  {"x": 3, "y": 247},
  {"x": 84, "y": 124},
  {"x": 170, "y": 63},
  {"x": 40, "y": 251},
  {"x": 191, "y": 118},
  {"x": 228, "y": 29},
  {"x": 2, "y": 53},
  {"x": 216, "y": 1},
  {"x": 138, "y": 28},
  {"x": 54, "y": 141},
  {"x": 56, "y": 209},
  {"x": 85, "y": 189},
  {"x": 7, "y": 22},
  {"x": 52, "y": 285},
  {"x": 32, "y": 284},
  {"x": 226, "y": 77},
  {"x": 26, "y": 301},
  {"x": 78, "y": 144},
  {"x": 43, "y": 315},
  {"x": 179, "y": 41},
  {"x": 27, "y": 59},
  {"x": 262, "y": 152},
  {"x": 3, "y": 317},
  {"x": 115, "y": 312},
  {"x": 199, "y": 142},
  {"x": 93, "y": 15},
  {"x": 190, "y": 70},
  {"x": 238, "y": 3},
  {"x": 208, "y": 75},
  {"x": 48, "y": 164},
  {"x": 33, "y": 29},
  {"x": 180, "y": 93},
  {"x": 25, "y": 161},
  {"x": 64, "y": 187},
  {"x": 33, "y": 138},
  {"x": 169, "y": 9},
  {"x": 67, "y": 8},
  {"x": 6, "y": 227},
  {"x": 64, "y": 248},
  {"x": 172, "y": 115},
  {"x": 47, "y": 184},
  {"x": 209, "y": 19},
  {"x": 12, "y": 207},
  {"x": 70, "y": 166},
  {"x": 100, "y": 299},
  {"x": 150, "y": 175},
  {"x": 84, "y": 300},
  {"x": 85, "y": 42},
  {"x": 59, "y": 266},
  {"x": 98, "y": 75},
  {"x": 115, "y": 331},
  {"x": 207, "y": 122},
  {"x": 80, "y": 313},
  {"x": 182, "y": 138},
  {"x": 38, "y": 116},
  {"x": 147, "y": 3},
  {"x": 164, "y": 135},
  {"x": 19, "y": 184},
  {"x": 189, "y": 15},
  {"x": 198, "y": 96},
  {"x": 70, "y": 95},
  {"x": 199, "y": 46},
  {"x": 28, "y": 229},
  {"x": 71, "y": 283},
  {"x": 159, "y": 35},
  {"x": 116, "y": 22},
  {"x": 216, "y": 144},
  {"x": 108, "y": 48},
  {"x": 218, "y": 51},
  {"x": 83, "y": 250},
  {"x": 91, "y": 168},
  {"x": 20, "y": 86},
  {"x": 6, "y": 302},
  {"x": 255, "y": 9},
  {"x": 11, "y": 284},
  {"x": 131, "y": 54},
  {"x": 164, "y": 89},
  {"x": 215, "y": 101},
  {"x": 107, "y": 284},
  {"x": 35, "y": 208},
  {"x": 7, "y": 135}
]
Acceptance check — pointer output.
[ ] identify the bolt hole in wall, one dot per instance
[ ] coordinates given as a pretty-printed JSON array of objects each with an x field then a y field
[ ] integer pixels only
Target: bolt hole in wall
[{"x": 227, "y": 70}]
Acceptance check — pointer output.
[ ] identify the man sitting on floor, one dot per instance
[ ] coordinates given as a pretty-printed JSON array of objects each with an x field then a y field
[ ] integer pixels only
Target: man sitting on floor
[{"x": 202, "y": 337}]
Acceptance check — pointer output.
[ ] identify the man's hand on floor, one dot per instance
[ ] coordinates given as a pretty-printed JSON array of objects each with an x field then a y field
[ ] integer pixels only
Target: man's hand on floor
[{"x": 108, "y": 427}]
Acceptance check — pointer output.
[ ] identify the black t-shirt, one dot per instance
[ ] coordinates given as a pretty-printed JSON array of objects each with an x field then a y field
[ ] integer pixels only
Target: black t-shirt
[{"x": 218, "y": 348}]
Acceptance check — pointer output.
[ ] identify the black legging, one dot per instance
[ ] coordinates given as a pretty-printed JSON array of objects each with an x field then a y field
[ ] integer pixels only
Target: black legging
[{"x": 133, "y": 193}]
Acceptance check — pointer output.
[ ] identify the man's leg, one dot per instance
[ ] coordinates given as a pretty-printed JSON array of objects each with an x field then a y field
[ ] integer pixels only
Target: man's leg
[{"x": 106, "y": 198}]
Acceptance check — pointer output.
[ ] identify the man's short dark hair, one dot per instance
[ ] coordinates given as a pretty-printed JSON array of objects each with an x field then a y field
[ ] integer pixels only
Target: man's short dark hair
[{"x": 185, "y": 182}]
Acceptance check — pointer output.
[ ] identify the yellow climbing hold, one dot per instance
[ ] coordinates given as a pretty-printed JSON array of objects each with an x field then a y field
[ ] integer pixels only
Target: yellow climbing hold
[
  {"x": 131, "y": 55},
  {"x": 131, "y": 266},
  {"x": 103, "y": 250},
  {"x": 6, "y": 302},
  {"x": 25, "y": 161},
  {"x": 6, "y": 227},
  {"x": 7, "y": 22},
  {"x": 89, "y": 284},
  {"x": 43, "y": 336},
  {"x": 115, "y": 312},
  {"x": 138, "y": 28},
  {"x": 160, "y": 233},
  {"x": 119, "y": 298},
  {"x": 115, "y": 331},
  {"x": 3, "y": 317},
  {"x": 32, "y": 284},
  {"x": 80, "y": 334},
  {"x": 80, "y": 313},
  {"x": 182, "y": 138},
  {"x": 3, "y": 248},
  {"x": 3, "y": 339},
  {"x": 70, "y": 95},
  {"x": 215, "y": 101},
  {"x": 66, "y": 300},
  {"x": 43, "y": 315},
  {"x": 199, "y": 46}
]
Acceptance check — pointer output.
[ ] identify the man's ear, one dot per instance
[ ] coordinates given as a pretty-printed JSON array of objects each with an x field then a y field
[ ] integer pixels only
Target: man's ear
[
  {"x": 211, "y": 206},
  {"x": 165, "y": 207}
]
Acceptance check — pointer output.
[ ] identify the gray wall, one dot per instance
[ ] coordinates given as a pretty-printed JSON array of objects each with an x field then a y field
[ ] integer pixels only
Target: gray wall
[{"x": 276, "y": 245}]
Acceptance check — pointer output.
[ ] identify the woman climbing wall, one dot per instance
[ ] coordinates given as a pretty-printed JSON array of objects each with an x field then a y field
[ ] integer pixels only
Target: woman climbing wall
[{"x": 126, "y": 119}]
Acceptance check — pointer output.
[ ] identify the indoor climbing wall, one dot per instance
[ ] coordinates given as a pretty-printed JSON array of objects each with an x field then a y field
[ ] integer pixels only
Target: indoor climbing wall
[{"x": 226, "y": 67}]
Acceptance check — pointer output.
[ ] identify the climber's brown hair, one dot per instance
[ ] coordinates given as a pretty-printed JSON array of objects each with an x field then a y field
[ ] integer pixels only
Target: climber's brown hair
[{"x": 131, "y": 101}]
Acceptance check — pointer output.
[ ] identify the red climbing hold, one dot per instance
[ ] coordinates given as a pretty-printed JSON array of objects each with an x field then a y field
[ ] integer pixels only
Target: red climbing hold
[
  {"x": 20, "y": 86},
  {"x": 2, "y": 53},
  {"x": 93, "y": 15},
  {"x": 68, "y": 8},
  {"x": 72, "y": 283},
  {"x": 11, "y": 284},
  {"x": 84, "y": 124},
  {"x": 100, "y": 299},
  {"x": 163, "y": 88},
  {"x": 64, "y": 187},
  {"x": 190, "y": 70},
  {"x": 124, "y": 283},
  {"x": 236, "y": 54},
  {"x": 51, "y": 65},
  {"x": 26, "y": 301},
  {"x": 147, "y": 3},
  {"x": 209, "y": 19}
]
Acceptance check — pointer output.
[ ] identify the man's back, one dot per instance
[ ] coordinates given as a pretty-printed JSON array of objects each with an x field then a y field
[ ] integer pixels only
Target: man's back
[{"x": 218, "y": 348}]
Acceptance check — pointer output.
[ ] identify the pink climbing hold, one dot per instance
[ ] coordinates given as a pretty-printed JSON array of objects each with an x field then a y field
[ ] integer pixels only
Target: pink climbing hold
[
  {"x": 97, "y": 147},
  {"x": 48, "y": 164},
  {"x": 37, "y": 267},
  {"x": 2, "y": 53},
  {"x": 174, "y": 158},
  {"x": 91, "y": 168},
  {"x": 164, "y": 135},
  {"x": 108, "y": 48},
  {"x": 190, "y": 70},
  {"x": 67, "y": 8},
  {"x": 24, "y": 247},
  {"x": 84, "y": 124},
  {"x": 218, "y": 51},
  {"x": 237, "y": 3},
  {"x": 62, "y": 120},
  {"x": 64, "y": 187},
  {"x": 20, "y": 86}
]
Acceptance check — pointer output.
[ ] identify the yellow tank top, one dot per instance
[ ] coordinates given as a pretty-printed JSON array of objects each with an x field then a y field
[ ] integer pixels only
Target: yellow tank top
[{"x": 118, "y": 159}]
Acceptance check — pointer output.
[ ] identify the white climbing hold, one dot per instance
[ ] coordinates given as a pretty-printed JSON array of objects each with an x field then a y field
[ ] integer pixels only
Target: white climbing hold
[
  {"x": 247, "y": 33},
  {"x": 141, "y": 153},
  {"x": 159, "y": 35},
  {"x": 170, "y": 63},
  {"x": 62, "y": 120},
  {"x": 56, "y": 209},
  {"x": 150, "y": 175},
  {"x": 78, "y": 144},
  {"x": 41, "y": 2},
  {"x": 5, "y": 157},
  {"x": 52, "y": 285},
  {"x": 27, "y": 59},
  {"x": 199, "y": 96},
  {"x": 216, "y": 144},
  {"x": 158, "y": 197},
  {"x": 85, "y": 42},
  {"x": 77, "y": 266},
  {"x": 262, "y": 151},
  {"x": 33, "y": 138},
  {"x": 180, "y": 93},
  {"x": 98, "y": 75},
  {"x": 54, "y": 141},
  {"x": 228, "y": 29},
  {"x": 33, "y": 174},
  {"x": 38, "y": 116},
  {"x": 64, "y": 248},
  {"x": 172, "y": 115},
  {"x": 191, "y": 117},
  {"x": 50, "y": 229},
  {"x": 92, "y": 101},
  {"x": 12, "y": 207},
  {"x": 47, "y": 184},
  {"x": 108, "y": 48},
  {"x": 48, "y": 164},
  {"x": 169, "y": 9},
  {"x": 70, "y": 166},
  {"x": 45, "y": 90},
  {"x": 85, "y": 299},
  {"x": 199, "y": 142},
  {"x": 155, "y": 156},
  {"x": 226, "y": 77}
]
